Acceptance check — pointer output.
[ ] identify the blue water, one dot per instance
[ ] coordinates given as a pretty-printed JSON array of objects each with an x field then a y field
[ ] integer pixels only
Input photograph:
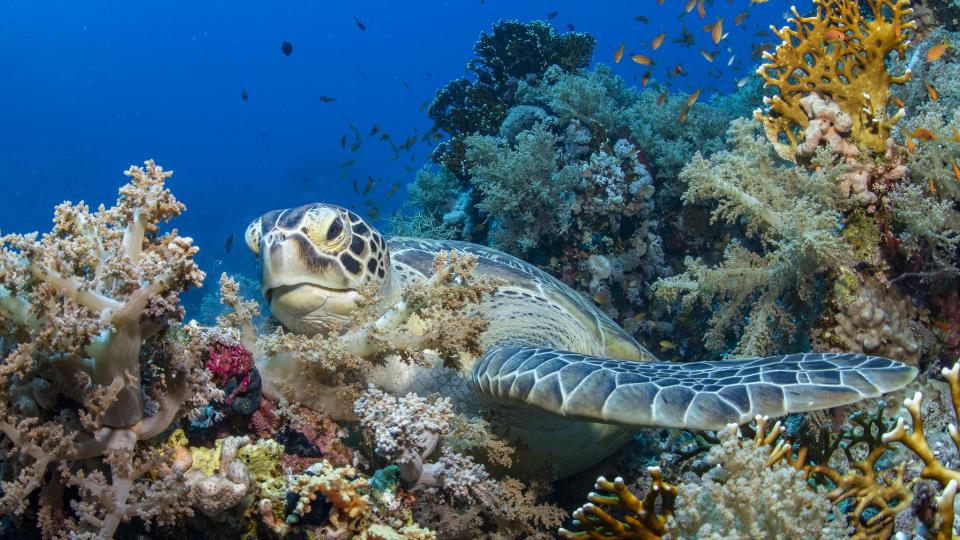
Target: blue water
[{"x": 89, "y": 88}]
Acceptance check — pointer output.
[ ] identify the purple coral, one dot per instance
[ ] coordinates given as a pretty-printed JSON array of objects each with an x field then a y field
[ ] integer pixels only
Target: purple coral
[{"x": 230, "y": 363}]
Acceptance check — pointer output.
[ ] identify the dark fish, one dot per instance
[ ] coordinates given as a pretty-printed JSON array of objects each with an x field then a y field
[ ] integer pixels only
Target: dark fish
[
  {"x": 424, "y": 106},
  {"x": 327, "y": 99},
  {"x": 359, "y": 24},
  {"x": 427, "y": 73},
  {"x": 348, "y": 163},
  {"x": 641, "y": 19},
  {"x": 686, "y": 38},
  {"x": 373, "y": 213},
  {"x": 356, "y": 189},
  {"x": 228, "y": 245},
  {"x": 353, "y": 128},
  {"x": 375, "y": 129},
  {"x": 411, "y": 140},
  {"x": 408, "y": 168},
  {"x": 552, "y": 15},
  {"x": 244, "y": 95},
  {"x": 393, "y": 189},
  {"x": 385, "y": 136},
  {"x": 343, "y": 141},
  {"x": 286, "y": 47},
  {"x": 405, "y": 85},
  {"x": 355, "y": 146},
  {"x": 370, "y": 185},
  {"x": 570, "y": 27}
]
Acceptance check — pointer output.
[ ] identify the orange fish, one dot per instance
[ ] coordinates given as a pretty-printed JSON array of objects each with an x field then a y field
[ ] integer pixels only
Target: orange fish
[
  {"x": 897, "y": 101},
  {"x": 642, "y": 60},
  {"x": 937, "y": 51},
  {"x": 833, "y": 34},
  {"x": 708, "y": 27},
  {"x": 933, "y": 190},
  {"x": 911, "y": 148},
  {"x": 657, "y": 41},
  {"x": 707, "y": 55},
  {"x": 717, "y": 31},
  {"x": 678, "y": 70},
  {"x": 740, "y": 18},
  {"x": 693, "y": 98},
  {"x": 923, "y": 134},
  {"x": 956, "y": 135},
  {"x": 618, "y": 54},
  {"x": 660, "y": 2},
  {"x": 643, "y": 81},
  {"x": 683, "y": 115},
  {"x": 932, "y": 92},
  {"x": 690, "y": 4},
  {"x": 956, "y": 170},
  {"x": 700, "y": 11},
  {"x": 661, "y": 98}
]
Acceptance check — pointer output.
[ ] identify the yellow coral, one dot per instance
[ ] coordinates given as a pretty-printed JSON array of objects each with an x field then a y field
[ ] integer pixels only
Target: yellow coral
[
  {"x": 839, "y": 53},
  {"x": 933, "y": 468}
]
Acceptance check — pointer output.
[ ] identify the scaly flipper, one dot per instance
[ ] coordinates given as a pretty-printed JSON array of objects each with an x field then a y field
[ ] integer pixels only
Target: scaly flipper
[{"x": 696, "y": 396}]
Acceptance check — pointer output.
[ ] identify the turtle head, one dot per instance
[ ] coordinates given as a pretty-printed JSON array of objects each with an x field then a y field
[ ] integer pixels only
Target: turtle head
[{"x": 312, "y": 260}]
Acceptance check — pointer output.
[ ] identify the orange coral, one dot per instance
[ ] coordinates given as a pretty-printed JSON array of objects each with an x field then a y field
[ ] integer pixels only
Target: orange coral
[{"x": 839, "y": 53}]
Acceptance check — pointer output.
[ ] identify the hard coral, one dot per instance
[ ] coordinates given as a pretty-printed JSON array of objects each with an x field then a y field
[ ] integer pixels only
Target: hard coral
[{"x": 839, "y": 53}]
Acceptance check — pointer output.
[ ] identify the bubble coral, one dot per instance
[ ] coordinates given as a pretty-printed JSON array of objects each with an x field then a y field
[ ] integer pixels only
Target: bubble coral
[{"x": 839, "y": 53}]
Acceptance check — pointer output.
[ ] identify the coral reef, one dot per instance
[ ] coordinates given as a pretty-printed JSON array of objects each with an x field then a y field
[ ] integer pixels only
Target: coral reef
[{"x": 838, "y": 52}]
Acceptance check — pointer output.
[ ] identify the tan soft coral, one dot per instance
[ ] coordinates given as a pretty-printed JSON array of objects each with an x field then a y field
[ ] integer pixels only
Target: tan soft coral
[
  {"x": 840, "y": 54},
  {"x": 88, "y": 305}
]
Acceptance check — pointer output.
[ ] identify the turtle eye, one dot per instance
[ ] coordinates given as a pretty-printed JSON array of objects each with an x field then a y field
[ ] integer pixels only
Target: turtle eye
[{"x": 252, "y": 237}]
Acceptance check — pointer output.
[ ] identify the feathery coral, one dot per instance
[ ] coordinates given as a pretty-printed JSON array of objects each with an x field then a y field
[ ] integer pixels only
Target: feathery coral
[{"x": 839, "y": 53}]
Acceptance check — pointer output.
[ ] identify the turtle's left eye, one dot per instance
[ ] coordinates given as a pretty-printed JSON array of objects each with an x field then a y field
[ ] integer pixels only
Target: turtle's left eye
[{"x": 252, "y": 237}]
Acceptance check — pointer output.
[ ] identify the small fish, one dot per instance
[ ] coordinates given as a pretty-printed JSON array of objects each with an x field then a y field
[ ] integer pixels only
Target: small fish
[
  {"x": 933, "y": 190},
  {"x": 244, "y": 95},
  {"x": 645, "y": 79},
  {"x": 701, "y": 12},
  {"x": 373, "y": 213},
  {"x": 385, "y": 136},
  {"x": 408, "y": 168},
  {"x": 717, "y": 33},
  {"x": 286, "y": 48},
  {"x": 228, "y": 245},
  {"x": 355, "y": 146},
  {"x": 661, "y": 98},
  {"x": 956, "y": 135},
  {"x": 405, "y": 83},
  {"x": 641, "y": 19},
  {"x": 730, "y": 61},
  {"x": 327, "y": 99},
  {"x": 932, "y": 92},
  {"x": 752, "y": 2},
  {"x": 937, "y": 51},
  {"x": 833, "y": 34},
  {"x": 360, "y": 25},
  {"x": 743, "y": 82},
  {"x": 618, "y": 54},
  {"x": 741, "y": 17},
  {"x": 370, "y": 185},
  {"x": 642, "y": 60},
  {"x": 570, "y": 27},
  {"x": 374, "y": 130},
  {"x": 707, "y": 55},
  {"x": 956, "y": 170},
  {"x": 923, "y": 134},
  {"x": 690, "y": 5},
  {"x": 552, "y": 15},
  {"x": 667, "y": 345},
  {"x": 343, "y": 141},
  {"x": 348, "y": 163},
  {"x": 911, "y": 147},
  {"x": 658, "y": 41},
  {"x": 686, "y": 38},
  {"x": 693, "y": 98},
  {"x": 411, "y": 140},
  {"x": 356, "y": 189},
  {"x": 678, "y": 69},
  {"x": 427, "y": 73},
  {"x": 682, "y": 117},
  {"x": 393, "y": 189}
]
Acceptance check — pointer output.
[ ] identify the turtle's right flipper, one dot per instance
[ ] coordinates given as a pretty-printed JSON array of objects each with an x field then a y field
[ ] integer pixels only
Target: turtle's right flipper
[{"x": 696, "y": 395}]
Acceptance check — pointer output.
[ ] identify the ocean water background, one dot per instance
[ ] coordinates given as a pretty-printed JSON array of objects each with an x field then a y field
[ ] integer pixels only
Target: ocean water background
[{"x": 89, "y": 88}]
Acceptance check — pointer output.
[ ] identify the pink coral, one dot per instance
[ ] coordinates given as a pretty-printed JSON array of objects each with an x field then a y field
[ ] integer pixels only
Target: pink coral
[{"x": 227, "y": 362}]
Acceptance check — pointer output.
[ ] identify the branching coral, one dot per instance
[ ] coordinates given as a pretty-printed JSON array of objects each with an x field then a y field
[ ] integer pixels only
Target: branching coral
[
  {"x": 89, "y": 304},
  {"x": 933, "y": 466},
  {"x": 839, "y": 53},
  {"x": 790, "y": 211},
  {"x": 524, "y": 191}
]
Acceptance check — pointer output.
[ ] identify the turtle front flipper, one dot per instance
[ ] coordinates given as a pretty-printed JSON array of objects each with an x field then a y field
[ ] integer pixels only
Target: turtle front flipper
[{"x": 696, "y": 396}]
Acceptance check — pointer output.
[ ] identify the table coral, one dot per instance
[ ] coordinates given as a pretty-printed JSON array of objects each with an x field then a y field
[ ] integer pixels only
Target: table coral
[{"x": 838, "y": 52}]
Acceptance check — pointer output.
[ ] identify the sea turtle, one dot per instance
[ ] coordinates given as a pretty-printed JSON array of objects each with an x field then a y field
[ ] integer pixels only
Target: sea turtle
[{"x": 557, "y": 373}]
